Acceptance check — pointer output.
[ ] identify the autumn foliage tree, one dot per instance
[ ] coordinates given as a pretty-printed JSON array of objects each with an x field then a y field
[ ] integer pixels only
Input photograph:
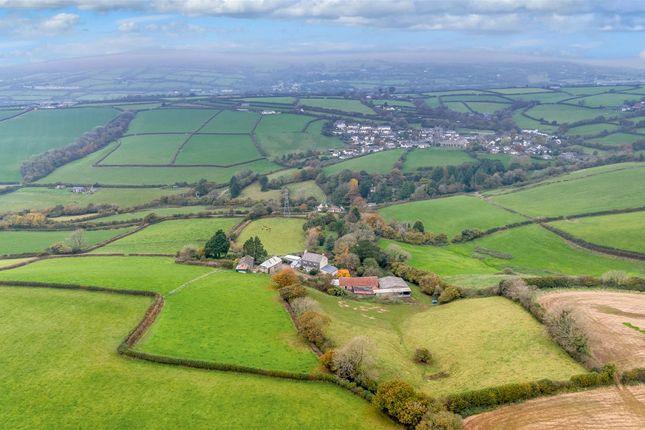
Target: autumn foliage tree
[{"x": 285, "y": 277}]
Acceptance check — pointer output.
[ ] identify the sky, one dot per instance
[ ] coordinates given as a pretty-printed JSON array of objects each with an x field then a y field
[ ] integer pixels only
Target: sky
[{"x": 578, "y": 30}]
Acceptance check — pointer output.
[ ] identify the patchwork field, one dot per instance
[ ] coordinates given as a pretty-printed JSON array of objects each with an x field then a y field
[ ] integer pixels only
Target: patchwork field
[
  {"x": 297, "y": 190},
  {"x": 608, "y": 99},
  {"x": 617, "y": 139},
  {"x": 169, "y": 120},
  {"x": 451, "y": 215},
  {"x": 622, "y": 231},
  {"x": 487, "y": 107},
  {"x": 229, "y": 121},
  {"x": 221, "y": 150},
  {"x": 278, "y": 235},
  {"x": 611, "y": 321},
  {"x": 288, "y": 133},
  {"x": 22, "y": 242},
  {"x": 146, "y": 149},
  {"x": 160, "y": 212},
  {"x": 78, "y": 332},
  {"x": 168, "y": 237},
  {"x": 486, "y": 352},
  {"x": 379, "y": 162},
  {"x": 345, "y": 105},
  {"x": 232, "y": 318},
  {"x": 596, "y": 409},
  {"x": 38, "y": 131},
  {"x": 562, "y": 113},
  {"x": 44, "y": 198},
  {"x": 592, "y": 129},
  {"x": 433, "y": 157}
]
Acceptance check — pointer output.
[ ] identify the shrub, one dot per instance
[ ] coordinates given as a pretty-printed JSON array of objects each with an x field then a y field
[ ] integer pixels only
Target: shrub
[
  {"x": 565, "y": 331},
  {"x": 301, "y": 305},
  {"x": 327, "y": 358},
  {"x": 614, "y": 278},
  {"x": 399, "y": 400},
  {"x": 337, "y": 291},
  {"x": 429, "y": 283},
  {"x": 423, "y": 355},
  {"x": 440, "y": 420},
  {"x": 311, "y": 325},
  {"x": 449, "y": 294},
  {"x": 188, "y": 252},
  {"x": 60, "y": 248},
  {"x": 291, "y": 292},
  {"x": 353, "y": 358},
  {"x": 634, "y": 376},
  {"x": 284, "y": 277}
]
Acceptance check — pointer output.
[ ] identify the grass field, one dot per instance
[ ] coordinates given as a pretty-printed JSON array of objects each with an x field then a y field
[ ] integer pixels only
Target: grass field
[
  {"x": 520, "y": 90},
  {"x": 12, "y": 261},
  {"x": 379, "y": 162},
  {"x": 622, "y": 231},
  {"x": 297, "y": 190},
  {"x": 21, "y": 242},
  {"x": 550, "y": 97},
  {"x": 451, "y": 215},
  {"x": 278, "y": 100},
  {"x": 41, "y": 130},
  {"x": 487, "y": 107},
  {"x": 232, "y": 318},
  {"x": 278, "y": 235},
  {"x": 457, "y": 106},
  {"x": 585, "y": 191},
  {"x": 618, "y": 139},
  {"x": 391, "y": 102},
  {"x": 524, "y": 122},
  {"x": 146, "y": 149},
  {"x": 43, "y": 198},
  {"x": 169, "y": 120},
  {"x": 168, "y": 237},
  {"x": 82, "y": 170},
  {"x": 292, "y": 139},
  {"x": 221, "y": 150},
  {"x": 608, "y": 99},
  {"x": 78, "y": 332},
  {"x": 229, "y": 121},
  {"x": 346, "y": 105},
  {"x": 470, "y": 340},
  {"x": 161, "y": 212},
  {"x": 561, "y": 113},
  {"x": 433, "y": 157},
  {"x": 593, "y": 89},
  {"x": 592, "y": 129}
]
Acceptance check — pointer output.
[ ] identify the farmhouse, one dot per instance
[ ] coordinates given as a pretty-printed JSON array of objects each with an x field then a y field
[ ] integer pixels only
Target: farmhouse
[
  {"x": 364, "y": 286},
  {"x": 313, "y": 261},
  {"x": 329, "y": 270},
  {"x": 393, "y": 286},
  {"x": 272, "y": 265},
  {"x": 245, "y": 265}
]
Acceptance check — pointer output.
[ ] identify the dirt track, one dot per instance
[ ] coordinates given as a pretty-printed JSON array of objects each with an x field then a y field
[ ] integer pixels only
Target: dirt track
[
  {"x": 605, "y": 408},
  {"x": 603, "y": 315}
]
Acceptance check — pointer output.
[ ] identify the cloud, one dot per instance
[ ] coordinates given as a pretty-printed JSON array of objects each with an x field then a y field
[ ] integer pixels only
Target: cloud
[{"x": 59, "y": 23}]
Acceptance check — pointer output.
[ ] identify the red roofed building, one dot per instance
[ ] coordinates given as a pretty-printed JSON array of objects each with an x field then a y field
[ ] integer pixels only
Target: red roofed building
[{"x": 366, "y": 285}]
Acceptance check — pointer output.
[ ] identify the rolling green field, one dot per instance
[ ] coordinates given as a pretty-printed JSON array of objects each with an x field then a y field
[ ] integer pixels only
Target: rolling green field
[
  {"x": 451, "y": 215},
  {"x": 592, "y": 129},
  {"x": 229, "y": 121},
  {"x": 278, "y": 235},
  {"x": 44, "y": 198},
  {"x": 591, "y": 190},
  {"x": 486, "y": 352},
  {"x": 391, "y": 102},
  {"x": 433, "y": 157},
  {"x": 593, "y": 89},
  {"x": 608, "y": 99},
  {"x": 618, "y": 139},
  {"x": 547, "y": 97},
  {"x": 78, "y": 332},
  {"x": 282, "y": 123},
  {"x": 524, "y": 122},
  {"x": 221, "y": 150},
  {"x": 168, "y": 237},
  {"x": 38, "y": 131},
  {"x": 22, "y": 242},
  {"x": 169, "y": 120},
  {"x": 526, "y": 250},
  {"x": 622, "y": 231},
  {"x": 561, "y": 113},
  {"x": 457, "y": 106},
  {"x": 277, "y": 143},
  {"x": 82, "y": 170},
  {"x": 146, "y": 149},
  {"x": 297, "y": 191},
  {"x": 232, "y": 318},
  {"x": 12, "y": 261},
  {"x": 161, "y": 212},
  {"x": 378, "y": 162},
  {"x": 520, "y": 90},
  {"x": 278, "y": 100},
  {"x": 487, "y": 107},
  {"x": 346, "y": 105}
]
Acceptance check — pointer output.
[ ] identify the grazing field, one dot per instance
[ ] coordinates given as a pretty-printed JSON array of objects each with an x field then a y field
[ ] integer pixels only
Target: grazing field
[
  {"x": 618, "y": 139},
  {"x": 277, "y": 143},
  {"x": 451, "y": 215},
  {"x": 469, "y": 340},
  {"x": 608, "y": 99},
  {"x": 433, "y": 157},
  {"x": 520, "y": 90},
  {"x": 594, "y": 89},
  {"x": 617, "y": 408},
  {"x": 6, "y": 113},
  {"x": 379, "y": 162},
  {"x": 13, "y": 261},
  {"x": 525, "y": 250},
  {"x": 277, "y": 100},
  {"x": 232, "y": 318},
  {"x": 604, "y": 317},
  {"x": 282, "y": 123},
  {"x": 297, "y": 191},
  {"x": 78, "y": 332},
  {"x": 38, "y": 131},
  {"x": 229, "y": 121},
  {"x": 168, "y": 237},
  {"x": 391, "y": 102},
  {"x": 550, "y": 97},
  {"x": 591, "y": 190},
  {"x": 346, "y": 105},
  {"x": 146, "y": 149},
  {"x": 524, "y": 122},
  {"x": 169, "y": 120},
  {"x": 22, "y": 242},
  {"x": 160, "y": 212},
  {"x": 221, "y": 150},
  {"x": 561, "y": 113},
  {"x": 457, "y": 106},
  {"x": 486, "y": 107},
  {"x": 44, "y": 198},
  {"x": 83, "y": 170},
  {"x": 592, "y": 129},
  {"x": 278, "y": 235},
  {"x": 622, "y": 231}
]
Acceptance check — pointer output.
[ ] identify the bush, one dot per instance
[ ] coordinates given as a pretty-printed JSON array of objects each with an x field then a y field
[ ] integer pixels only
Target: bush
[
  {"x": 60, "y": 248},
  {"x": 449, "y": 294},
  {"x": 399, "y": 400},
  {"x": 422, "y": 355},
  {"x": 337, "y": 291},
  {"x": 188, "y": 252},
  {"x": 291, "y": 292},
  {"x": 327, "y": 358},
  {"x": 353, "y": 358},
  {"x": 440, "y": 420},
  {"x": 300, "y": 305},
  {"x": 429, "y": 283},
  {"x": 614, "y": 278},
  {"x": 311, "y": 325},
  {"x": 284, "y": 277},
  {"x": 594, "y": 379},
  {"x": 634, "y": 376},
  {"x": 565, "y": 331}
]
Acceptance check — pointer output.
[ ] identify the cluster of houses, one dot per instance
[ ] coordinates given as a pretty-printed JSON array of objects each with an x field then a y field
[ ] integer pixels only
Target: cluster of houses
[
  {"x": 633, "y": 107},
  {"x": 314, "y": 263},
  {"x": 78, "y": 189},
  {"x": 533, "y": 143}
]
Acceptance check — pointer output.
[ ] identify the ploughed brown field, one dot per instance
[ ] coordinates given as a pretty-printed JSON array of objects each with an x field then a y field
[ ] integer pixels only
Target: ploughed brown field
[
  {"x": 606, "y": 408},
  {"x": 614, "y": 323}
]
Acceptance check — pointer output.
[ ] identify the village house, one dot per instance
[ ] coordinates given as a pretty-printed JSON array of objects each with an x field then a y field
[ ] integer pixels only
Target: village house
[
  {"x": 271, "y": 265},
  {"x": 246, "y": 264},
  {"x": 329, "y": 270},
  {"x": 312, "y": 261},
  {"x": 362, "y": 286}
]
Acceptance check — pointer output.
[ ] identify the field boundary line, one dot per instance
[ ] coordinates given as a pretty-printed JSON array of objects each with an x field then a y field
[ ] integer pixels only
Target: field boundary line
[
  {"x": 187, "y": 283},
  {"x": 190, "y": 136},
  {"x": 22, "y": 112}
]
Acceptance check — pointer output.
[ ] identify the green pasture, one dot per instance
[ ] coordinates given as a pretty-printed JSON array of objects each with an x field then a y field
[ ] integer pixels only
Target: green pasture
[
  {"x": 435, "y": 157},
  {"x": 618, "y": 139},
  {"x": 278, "y": 235},
  {"x": 168, "y": 237},
  {"x": 278, "y": 100},
  {"x": 561, "y": 113},
  {"x": 544, "y": 97},
  {"x": 594, "y": 89},
  {"x": 146, "y": 149},
  {"x": 297, "y": 191},
  {"x": 277, "y": 143},
  {"x": 218, "y": 149},
  {"x": 592, "y": 129},
  {"x": 160, "y": 212},
  {"x": 487, "y": 107},
  {"x": 282, "y": 123},
  {"x": 377, "y": 162},
  {"x": 457, "y": 106},
  {"x": 520, "y": 90},
  {"x": 169, "y": 120},
  {"x": 21, "y": 242},
  {"x": 229, "y": 121},
  {"x": 392, "y": 102},
  {"x": 346, "y": 105},
  {"x": 526, "y": 123},
  {"x": 608, "y": 99}
]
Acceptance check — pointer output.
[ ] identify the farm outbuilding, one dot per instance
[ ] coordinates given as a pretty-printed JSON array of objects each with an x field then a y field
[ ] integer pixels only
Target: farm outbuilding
[
  {"x": 246, "y": 264},
  {"x": 271, "y": 265}
]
